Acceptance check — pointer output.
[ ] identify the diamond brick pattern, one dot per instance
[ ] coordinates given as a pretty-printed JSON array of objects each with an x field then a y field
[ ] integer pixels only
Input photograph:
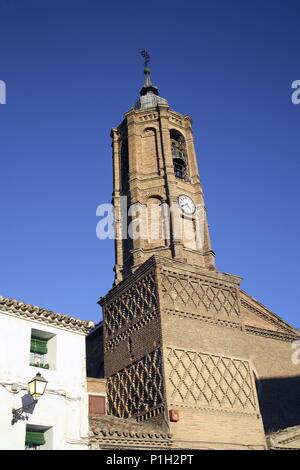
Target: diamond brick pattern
[
  {"x": 137, "y": 389},
  {"x": 135, "y": 302},
  {"x": 191, "y": 293},
  {"x": 200, "y": 380}
]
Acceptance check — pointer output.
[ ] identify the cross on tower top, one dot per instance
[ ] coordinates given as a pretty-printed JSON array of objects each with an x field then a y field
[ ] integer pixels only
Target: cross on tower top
[{"x": 145, "y": 54}]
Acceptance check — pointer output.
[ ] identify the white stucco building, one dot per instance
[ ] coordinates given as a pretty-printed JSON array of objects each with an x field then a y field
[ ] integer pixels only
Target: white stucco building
[{"x": 34, "y": 340}]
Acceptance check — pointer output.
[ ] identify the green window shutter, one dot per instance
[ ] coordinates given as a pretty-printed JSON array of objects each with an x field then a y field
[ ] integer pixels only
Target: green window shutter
[
  {"x": 35, "y": 438},
  {"x": 38, "y": 346}
]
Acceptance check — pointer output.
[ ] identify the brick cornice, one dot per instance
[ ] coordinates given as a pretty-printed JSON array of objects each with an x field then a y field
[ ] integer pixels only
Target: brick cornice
[{"x": 271, "y": 334}]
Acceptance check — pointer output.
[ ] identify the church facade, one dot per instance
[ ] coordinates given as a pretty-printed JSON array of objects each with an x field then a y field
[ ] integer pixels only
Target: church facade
[
  {"x": 184, "y": 358},
  {"x": 190, "y": 359}
]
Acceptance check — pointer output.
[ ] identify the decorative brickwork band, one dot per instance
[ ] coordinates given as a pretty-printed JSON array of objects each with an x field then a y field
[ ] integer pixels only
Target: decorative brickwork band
[
  {"x": 133, "y": 303},
  {"x": 192, "y": 293},
  {"x": 197, "y": 379},
  {"x": 111, "y": 344},
  {"x": 138, "y": 389}
]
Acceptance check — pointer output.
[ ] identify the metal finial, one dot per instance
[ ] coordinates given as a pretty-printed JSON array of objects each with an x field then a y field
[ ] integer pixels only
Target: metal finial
[
  {"x": 145, "y": 54},
  {"x": 148, "y": 87}
]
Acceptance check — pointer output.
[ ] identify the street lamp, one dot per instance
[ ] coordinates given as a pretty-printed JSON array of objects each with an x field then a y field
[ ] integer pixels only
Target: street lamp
[{"x": 36, "y": 388}]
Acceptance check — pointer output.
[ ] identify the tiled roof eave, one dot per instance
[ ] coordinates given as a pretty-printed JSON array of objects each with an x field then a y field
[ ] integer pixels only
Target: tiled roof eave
[
  {"x": 35, "y": 313},
  {"x": 104, "y": 438}
]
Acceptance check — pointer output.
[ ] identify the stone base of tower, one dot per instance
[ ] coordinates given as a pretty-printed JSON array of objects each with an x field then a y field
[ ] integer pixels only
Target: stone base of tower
[
  {"x": 203, "y": 429},
  {"x": 176, "y": 356}
]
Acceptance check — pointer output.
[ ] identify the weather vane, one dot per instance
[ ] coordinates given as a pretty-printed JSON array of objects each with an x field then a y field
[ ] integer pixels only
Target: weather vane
[{"x": 146, "y": 56}]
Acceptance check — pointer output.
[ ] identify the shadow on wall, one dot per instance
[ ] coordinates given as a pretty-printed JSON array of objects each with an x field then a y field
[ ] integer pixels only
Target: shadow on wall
[
  {"x": 279, "y": 401},
  {"x": 94, "y": 353}
]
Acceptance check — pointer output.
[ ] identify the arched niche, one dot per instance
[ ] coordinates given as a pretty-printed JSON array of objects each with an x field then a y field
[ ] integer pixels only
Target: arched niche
[
  {"x": 149, "y": 151},
  {"x": 156, "y": 222}
]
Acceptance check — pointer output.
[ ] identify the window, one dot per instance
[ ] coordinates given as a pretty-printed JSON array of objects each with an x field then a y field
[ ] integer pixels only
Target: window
[
  {"x": 179, "y": 168},
  {"x": 97, "y": 405},
  {"x": 178, "y": 154},
  {"x": 38, "y": 437},
  {"x": 42, "y": 349},
  {"x": 38, "y": 351},
  {"x": 34, "y": 440}
]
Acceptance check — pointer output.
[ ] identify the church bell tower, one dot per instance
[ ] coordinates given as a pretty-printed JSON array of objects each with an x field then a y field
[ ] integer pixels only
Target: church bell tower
[
  {"x": 155, "y": 169},
  {"x": 170, "y": 314}
]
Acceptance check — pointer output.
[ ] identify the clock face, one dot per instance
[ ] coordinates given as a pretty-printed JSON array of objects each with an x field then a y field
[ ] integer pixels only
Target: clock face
[{"x": 186, "y": 204}]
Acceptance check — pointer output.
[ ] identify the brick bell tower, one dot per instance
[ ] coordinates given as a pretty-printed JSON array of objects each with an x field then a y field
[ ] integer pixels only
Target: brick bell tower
[{"x": 172, "y": 324}]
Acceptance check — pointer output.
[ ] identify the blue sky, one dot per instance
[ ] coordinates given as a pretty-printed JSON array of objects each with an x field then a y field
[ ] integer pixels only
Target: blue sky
[{"x": 72, "y": 69}]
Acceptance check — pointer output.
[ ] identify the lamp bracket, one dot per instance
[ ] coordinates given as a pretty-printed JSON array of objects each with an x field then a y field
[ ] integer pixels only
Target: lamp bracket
[{"x": 18, "y": 413}]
